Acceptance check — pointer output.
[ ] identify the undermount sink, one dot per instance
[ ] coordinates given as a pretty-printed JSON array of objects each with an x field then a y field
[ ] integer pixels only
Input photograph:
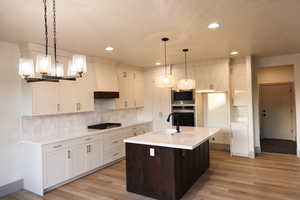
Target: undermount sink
[{"x": 168, "y": 131}]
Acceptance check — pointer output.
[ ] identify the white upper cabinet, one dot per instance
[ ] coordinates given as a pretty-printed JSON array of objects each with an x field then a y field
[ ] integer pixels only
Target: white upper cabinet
[
  {"x": 40, "y": 98},
  {"x": 126, "y": 99},
  {"x": 131, "y": 88},
  {"x": 106, "y": 77},
  {"x": 138, "y": 85},
  {"x": 68, "y": 97},
  {"x": 212, "y": 75}
]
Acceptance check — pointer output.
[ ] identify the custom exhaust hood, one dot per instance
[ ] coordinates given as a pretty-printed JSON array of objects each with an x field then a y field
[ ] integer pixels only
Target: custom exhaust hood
[{"x": 106, "y": 95}]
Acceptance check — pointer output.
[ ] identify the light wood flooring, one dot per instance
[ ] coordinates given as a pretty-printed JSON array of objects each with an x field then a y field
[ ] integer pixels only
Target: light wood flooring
[{"x": 268, "y": 177}]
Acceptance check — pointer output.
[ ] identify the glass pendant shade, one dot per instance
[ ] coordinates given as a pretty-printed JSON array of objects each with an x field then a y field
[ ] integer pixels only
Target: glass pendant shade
[
  {"x": 26, "y": 68},
  {"x": 166, "y": 81},
  {"x": 57, "y": 70},
  {"x": 79, "y": 64},
  {"x": 71, "y": 70},
  {"x": 43, "y": 64},
  {"x": 186, "y": 84}
]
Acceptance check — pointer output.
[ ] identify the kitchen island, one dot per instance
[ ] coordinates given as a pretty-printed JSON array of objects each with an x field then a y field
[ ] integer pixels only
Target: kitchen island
[{"x": 164, "y": 166}]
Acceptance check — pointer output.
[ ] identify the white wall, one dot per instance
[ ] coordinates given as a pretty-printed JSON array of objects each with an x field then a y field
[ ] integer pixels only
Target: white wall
[
  {"x": 271, "y": 61},
  {"x": 10, "y": 91},
  {"x": 281, "y": 74}
]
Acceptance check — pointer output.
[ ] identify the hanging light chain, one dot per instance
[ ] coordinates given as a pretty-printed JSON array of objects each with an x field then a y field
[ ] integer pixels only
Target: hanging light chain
[
  {"x": 54, "y": 33},
  {"x": 165, "y": 48},
  {"x": 46, "y": 25},
  {"x": 185, "y": 52},
  {"x": 165, "y": 44}
]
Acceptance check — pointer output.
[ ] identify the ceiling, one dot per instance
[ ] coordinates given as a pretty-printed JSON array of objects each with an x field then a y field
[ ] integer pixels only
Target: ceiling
[{"x": 134, "y": 27}]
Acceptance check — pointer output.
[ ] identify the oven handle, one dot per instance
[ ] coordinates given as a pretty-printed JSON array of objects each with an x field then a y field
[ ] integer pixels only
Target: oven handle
[{"x": 183, "y": 111}]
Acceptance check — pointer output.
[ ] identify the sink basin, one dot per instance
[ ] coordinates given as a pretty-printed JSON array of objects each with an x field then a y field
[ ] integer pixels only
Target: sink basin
[{"x": 168, "y": 131}]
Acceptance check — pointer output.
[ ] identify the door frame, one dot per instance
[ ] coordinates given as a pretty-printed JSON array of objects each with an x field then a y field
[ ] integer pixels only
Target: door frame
[{"x": 293, "y": 104}]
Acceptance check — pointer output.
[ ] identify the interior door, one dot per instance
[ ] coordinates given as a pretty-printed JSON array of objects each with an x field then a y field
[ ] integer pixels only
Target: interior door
[{"x": 277, "y": 111}]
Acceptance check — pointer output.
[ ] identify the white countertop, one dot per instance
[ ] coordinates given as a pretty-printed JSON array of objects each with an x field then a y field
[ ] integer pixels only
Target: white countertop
[
  {"x": 78, "y": 134},
  {"x": 188, "y": 138}
]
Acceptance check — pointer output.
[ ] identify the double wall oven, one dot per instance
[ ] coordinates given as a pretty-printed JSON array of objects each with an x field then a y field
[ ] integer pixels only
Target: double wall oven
[{"x": 183, "y": 105}]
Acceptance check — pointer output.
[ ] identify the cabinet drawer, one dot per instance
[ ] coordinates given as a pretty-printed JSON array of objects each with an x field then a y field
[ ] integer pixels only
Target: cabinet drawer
[
  {"x": 55, "y": 146},
  {"x": 112, "y": 140},
  {"x": 89, "y": 139},
  {"x": 113, "y": 154}
]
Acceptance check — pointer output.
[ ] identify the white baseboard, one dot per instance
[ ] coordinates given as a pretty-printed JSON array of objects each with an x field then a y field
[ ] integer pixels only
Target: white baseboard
[
  {"x": 258, "y": 149},
  {"x": 11, "y": 188}
]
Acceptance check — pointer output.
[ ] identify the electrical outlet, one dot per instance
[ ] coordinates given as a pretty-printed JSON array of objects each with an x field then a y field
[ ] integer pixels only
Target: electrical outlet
[{"x": 152, "y": 152}]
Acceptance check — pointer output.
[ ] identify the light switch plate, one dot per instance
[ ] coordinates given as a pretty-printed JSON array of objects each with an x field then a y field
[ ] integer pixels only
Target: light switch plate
[{"x": 152, "y": 152}]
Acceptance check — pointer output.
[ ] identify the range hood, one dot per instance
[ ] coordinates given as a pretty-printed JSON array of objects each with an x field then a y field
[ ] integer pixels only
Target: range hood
[{"x": 106, "y": 95}]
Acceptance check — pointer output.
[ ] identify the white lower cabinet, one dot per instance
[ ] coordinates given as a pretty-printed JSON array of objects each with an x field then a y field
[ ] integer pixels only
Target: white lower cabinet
[
  {"x": 77, "y": 156},
  {"x": 239, "y": 139},
  {"x": 94, "y": 157},
  {"x": 48, "y": 166},
  {"x": 55, "y": 166}
]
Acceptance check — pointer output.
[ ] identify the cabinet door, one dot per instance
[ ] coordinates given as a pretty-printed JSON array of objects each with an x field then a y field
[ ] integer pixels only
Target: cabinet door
[
  {"x": 126, "y": 99},
  {"x": 138, "y": 86},
  {"x": 94, "y": 155},
  {"x": 106, "y": 77},
  {"x": 45, "y": 98},
  {"x": 56, "y": 167},
  {"x": 85, "y": 95},
  {"x": 239, "y": 140},
  {"x": 77, "y": 158},
  {"x": 69, "y": 96}
]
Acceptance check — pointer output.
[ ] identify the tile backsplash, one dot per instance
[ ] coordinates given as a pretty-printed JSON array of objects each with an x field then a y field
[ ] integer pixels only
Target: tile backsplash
[{"x": 55, "y": 125}]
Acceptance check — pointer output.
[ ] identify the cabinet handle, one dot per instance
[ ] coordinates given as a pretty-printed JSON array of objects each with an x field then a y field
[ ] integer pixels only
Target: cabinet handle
[
  {"x": 58, "y": 107},
  {"x": 88, "y": 148},
  {"x": 211, "y": 86},
  {"x": 116, "y": 154},
  {"x": 69, "y": 154},
  {"x": 124, "y": 74},
  {"x": 57, "y": 146},
  {"x": 115, "y": 142},
  {"x": 79, "y": 106},
  {"x": 88, "y": 139}
]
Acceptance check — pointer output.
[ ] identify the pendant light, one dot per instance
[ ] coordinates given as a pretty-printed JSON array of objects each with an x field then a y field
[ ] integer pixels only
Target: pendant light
[
  {"x": 186, "y": 83},
  {"x": 166, "y": 80}
]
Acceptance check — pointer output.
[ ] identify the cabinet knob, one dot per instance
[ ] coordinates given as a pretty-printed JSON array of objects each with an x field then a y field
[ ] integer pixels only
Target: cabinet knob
[{"x": 58, "y": 107}]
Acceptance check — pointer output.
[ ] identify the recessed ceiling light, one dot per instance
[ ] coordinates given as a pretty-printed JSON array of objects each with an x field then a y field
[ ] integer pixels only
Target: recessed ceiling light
[
  {"x": 213, "y": 25},
  {"x": 109, "y": 48},
  {"x": 234, "y": 53},
  {"x": 157, "y": 63}
]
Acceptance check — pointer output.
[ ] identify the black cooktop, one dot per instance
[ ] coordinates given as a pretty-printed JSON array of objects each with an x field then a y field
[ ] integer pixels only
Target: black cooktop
[{"x": 105, "y": 126}]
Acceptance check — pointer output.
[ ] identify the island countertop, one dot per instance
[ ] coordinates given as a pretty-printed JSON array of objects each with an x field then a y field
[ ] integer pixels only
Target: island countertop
[{"x": 188, "y": 138}]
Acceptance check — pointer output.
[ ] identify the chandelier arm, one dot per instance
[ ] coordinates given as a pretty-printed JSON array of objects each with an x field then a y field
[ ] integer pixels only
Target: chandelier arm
[{"x": 46, "y": 25}]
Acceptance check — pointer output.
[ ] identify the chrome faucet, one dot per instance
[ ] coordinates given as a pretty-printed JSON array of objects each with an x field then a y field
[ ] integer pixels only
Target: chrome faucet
[{"x": 177, "y": 122}]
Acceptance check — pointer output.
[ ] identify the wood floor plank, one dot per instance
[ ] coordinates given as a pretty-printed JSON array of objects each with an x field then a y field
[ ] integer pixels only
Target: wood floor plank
[{"x": 268, "y": 177}]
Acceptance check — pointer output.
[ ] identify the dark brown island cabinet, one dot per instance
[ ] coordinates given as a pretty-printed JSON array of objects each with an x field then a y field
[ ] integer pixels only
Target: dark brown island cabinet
[{"x": 164, "y": 173}]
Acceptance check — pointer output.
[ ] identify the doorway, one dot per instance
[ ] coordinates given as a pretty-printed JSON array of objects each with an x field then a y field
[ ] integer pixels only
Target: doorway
[{"x": 277, "y": 118}]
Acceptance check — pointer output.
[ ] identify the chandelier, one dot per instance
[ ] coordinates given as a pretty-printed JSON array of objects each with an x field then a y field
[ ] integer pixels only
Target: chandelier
[{"x": 51, "y": 73}]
